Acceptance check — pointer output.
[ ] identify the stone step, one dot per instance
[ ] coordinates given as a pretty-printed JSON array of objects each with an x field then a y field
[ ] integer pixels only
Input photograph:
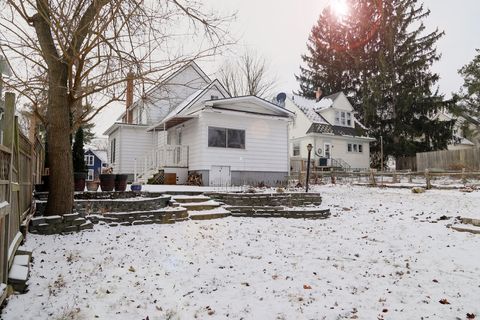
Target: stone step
[
  {"x": 18, "y": 276},
  {"x": 200, "y": 206},
  {"x": 190, "y": 199},
  {"x": 472, "y": 221},
  {"x": 216, "y": 213},
  {"x": 303, "y": 213},
  {"x": 466, "y": 228}
]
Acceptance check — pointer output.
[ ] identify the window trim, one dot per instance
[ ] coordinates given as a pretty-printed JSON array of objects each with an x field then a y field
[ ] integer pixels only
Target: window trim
[
  {"x": 89, "y": 157},
  {"x": 92, "y": 176},
  {"x": 226, "y": 138},
  {"x": 296, "y": 147}
]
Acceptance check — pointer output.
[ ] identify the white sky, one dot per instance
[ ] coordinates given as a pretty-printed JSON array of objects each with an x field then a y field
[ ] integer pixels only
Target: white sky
[{"x": 278, "y": 30}]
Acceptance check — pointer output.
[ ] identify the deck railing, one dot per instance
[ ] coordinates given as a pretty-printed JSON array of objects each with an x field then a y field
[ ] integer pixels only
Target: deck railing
[{"x": 164, "y": 156}]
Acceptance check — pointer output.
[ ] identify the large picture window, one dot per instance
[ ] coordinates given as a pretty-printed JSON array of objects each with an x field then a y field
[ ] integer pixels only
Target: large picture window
[{"x": 226, "y": 138}]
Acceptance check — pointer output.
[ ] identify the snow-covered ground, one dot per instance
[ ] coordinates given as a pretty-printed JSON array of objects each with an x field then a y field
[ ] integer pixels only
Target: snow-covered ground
[{"x": 382, "y": 255}]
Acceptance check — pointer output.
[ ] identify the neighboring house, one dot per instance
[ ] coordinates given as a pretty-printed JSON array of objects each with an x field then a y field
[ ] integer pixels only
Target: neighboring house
[
  {"x": 95, "y": 160},
  {"x": 191, "y": 123},
  {"x": 465, "y": 133},
  {"x": 329, "y": 124}
]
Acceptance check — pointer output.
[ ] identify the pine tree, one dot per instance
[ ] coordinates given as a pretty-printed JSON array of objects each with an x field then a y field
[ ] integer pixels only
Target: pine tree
[
  {"x": 78, "y": 153},
  {"x": 389, "y": 80},
  {"x": 470, "y": 93}
]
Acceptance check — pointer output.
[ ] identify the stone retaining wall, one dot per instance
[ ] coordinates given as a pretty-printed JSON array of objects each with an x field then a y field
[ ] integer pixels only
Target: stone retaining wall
[
  {"x": 58, "y": 224},
  {"x": 268, "y": 199},
  {"x": 161, "y": 216},
  {"x": 278, "y": 212},
  {"x": 100, "y": 206}
]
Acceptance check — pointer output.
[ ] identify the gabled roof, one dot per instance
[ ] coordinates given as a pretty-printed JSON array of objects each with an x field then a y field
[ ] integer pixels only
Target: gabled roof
[
  {"x": 174, "y": 73},
  {"x": 336, "y": 130},
  {"x": 241, "y": 104},
  {"x": 100, "y": 154},
  {"x": 310, "y": 108},
  {"x": 184, "y": 106}
]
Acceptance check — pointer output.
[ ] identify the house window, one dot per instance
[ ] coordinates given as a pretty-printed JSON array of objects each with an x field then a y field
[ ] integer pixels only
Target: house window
[
  {"x": 349, "y": 119},
  {"x": 296, "y": 149},
  {"x": 89, "y": 159},
  {"x": 226, "y": 138},
  {"x": 90, "y": 175},
  {"x": 352, "y": 147},
  {"x": 112, "y": 150},
  {"x": 337, "y": 117},
  {"x": 342, "y": 118}
]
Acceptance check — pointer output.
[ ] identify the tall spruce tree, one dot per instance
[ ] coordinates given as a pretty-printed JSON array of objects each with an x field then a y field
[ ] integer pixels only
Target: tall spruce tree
[
  {"x": 470, "y": 93},
  {"x": 78, "y": 154},
  {"x": 389, "y": 77}
]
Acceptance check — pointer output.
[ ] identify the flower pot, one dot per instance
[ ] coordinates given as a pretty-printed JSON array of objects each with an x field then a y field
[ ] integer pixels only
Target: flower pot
[
  {"x": 121, "y": 182},
  {"x": 107, "y": 181},
  {"x": 92, "y": 185},
  {"x": 79, "y": 181},
  {"x": 136, "y": 187}
]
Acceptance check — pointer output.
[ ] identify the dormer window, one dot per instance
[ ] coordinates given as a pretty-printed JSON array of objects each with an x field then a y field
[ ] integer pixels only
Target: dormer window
[
  {"x": 349, "y": 119},
  {"x": 337, "y": 117},
  {"x": 342, "y": 118}
]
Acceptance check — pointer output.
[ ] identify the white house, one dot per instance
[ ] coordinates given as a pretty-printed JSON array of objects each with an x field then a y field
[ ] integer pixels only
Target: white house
[
  {"x": 465, "y": 133},
  {"x": 339, "y": 140},
  {"x": 191, "y": 123}
]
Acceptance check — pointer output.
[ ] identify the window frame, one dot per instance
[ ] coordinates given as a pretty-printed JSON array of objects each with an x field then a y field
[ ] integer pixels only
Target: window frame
[
  {"x": 296, "y": 147},
  {"x": 113, "y": 149},
  {"x": 89, "y": 160},
  {"x": 226, "y": 130},
  {"x": 90, "y": 175}
]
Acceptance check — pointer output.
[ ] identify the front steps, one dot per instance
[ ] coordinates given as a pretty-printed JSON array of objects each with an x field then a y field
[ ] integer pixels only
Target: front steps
[
  {"x": 20, "y": 270},
  {"x": 469, "y": 225}
]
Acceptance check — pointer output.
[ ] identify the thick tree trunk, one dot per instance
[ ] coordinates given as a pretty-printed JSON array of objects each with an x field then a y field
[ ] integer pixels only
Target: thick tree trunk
[{"x": 60, "y": 198}]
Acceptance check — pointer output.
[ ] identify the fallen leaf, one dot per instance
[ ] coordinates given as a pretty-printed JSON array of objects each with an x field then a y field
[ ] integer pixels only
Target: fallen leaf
[
  {"x": 131, "y": 269},
  {"x": 444, "y": 301},
  {"x": 306, "y": 286},
  {"x": 470, "y": 316}
]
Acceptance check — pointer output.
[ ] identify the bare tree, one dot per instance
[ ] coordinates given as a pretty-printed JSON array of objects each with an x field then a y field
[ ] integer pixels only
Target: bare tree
[
  {"x": 72, "y": 56},
  {"x": 250, "y": 75}
]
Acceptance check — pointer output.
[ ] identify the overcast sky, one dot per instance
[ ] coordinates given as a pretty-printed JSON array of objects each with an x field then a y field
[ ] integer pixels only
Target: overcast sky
[{"x": 278, "y": 30}]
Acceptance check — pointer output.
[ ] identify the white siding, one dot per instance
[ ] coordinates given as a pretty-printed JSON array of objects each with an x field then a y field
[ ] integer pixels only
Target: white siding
[
  {"x": 166, "y": 97},
  {"x": 266, "y": 143},
  {"x": 135, "y": 142},
  {"x": 115, "y": 135},
  {"x": 357, "y": 160}
]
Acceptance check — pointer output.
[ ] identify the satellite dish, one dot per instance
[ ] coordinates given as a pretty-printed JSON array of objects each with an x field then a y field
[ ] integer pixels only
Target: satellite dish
[
  {"x": 281, "y": 97},
  {"x": 319, "y": 152}
]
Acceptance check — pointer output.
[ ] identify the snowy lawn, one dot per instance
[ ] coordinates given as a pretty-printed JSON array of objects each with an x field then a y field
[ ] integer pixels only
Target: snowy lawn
[{"x": 382, "y": 255}]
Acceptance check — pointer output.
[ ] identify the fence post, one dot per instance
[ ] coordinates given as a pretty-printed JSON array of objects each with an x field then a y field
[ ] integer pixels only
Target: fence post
[
  {"x": 373, "y": 182},
  {"x": 409, "y": 175},
  {"x": 464, "y": 178},
  {"x": 394, "y": 176},
  {"x": 332, "y": 176},
  {"x": 427, "y": 178}
]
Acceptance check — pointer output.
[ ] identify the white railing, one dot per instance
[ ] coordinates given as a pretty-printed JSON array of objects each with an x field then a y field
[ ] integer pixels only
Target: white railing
[{"x": 164, "y": 156}]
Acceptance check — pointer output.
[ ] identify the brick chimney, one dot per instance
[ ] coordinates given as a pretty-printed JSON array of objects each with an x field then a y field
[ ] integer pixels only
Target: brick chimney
[
  {"x": 318, "y": 94},
  {"x": 129, "y": 98}
]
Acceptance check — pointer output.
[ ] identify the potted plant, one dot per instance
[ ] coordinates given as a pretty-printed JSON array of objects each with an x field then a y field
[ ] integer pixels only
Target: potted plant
[
  {"x": 121, "y": 182},
  {"x": 79, "y": 167},
  {"x": 93, "y": 185},
  {"x": 107, "y": 179},
  {"x": 136, "y": 187}
]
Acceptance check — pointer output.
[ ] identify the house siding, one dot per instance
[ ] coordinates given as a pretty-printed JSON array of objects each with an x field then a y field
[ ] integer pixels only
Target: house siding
[{"x": 133, "y": 143}]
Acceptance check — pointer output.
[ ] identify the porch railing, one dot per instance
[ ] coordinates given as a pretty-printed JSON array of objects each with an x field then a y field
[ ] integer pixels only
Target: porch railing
[{"x": 164, "y": 156}]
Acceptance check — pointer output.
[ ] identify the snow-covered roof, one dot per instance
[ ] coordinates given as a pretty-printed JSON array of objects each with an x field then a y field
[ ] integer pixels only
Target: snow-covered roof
[
  {"x": 311, "y": 107},
  {"x": 101, "y": 154}
]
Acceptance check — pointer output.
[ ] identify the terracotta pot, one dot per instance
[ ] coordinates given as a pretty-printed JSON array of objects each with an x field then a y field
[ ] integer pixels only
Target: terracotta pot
[
  {"x": 79, "y": 181},
  {"x": 121, "y": 182},
  {"x": 92, "y": 185},
  {"x": 107, "y": 181}
]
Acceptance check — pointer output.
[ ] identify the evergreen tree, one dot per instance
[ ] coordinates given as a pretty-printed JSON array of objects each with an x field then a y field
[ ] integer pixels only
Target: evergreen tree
[
  {"x": 470, "y": 93},
  {"x": 78, "y": 153},
  {"x": 388, "y": 76}
]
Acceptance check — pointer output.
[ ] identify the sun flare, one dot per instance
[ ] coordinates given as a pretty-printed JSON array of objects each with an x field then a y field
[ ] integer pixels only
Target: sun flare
[{"x": 339, "y": 7}]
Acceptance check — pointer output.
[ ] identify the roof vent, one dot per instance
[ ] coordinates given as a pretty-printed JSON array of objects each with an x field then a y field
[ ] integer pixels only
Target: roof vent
[{"x": 213, "y": 97}]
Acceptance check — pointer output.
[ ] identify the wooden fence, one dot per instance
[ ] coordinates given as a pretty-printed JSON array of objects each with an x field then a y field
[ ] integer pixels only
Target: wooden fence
[
  {"x": 21, "y": 165},
  {"x": 449, "y": 160}
]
